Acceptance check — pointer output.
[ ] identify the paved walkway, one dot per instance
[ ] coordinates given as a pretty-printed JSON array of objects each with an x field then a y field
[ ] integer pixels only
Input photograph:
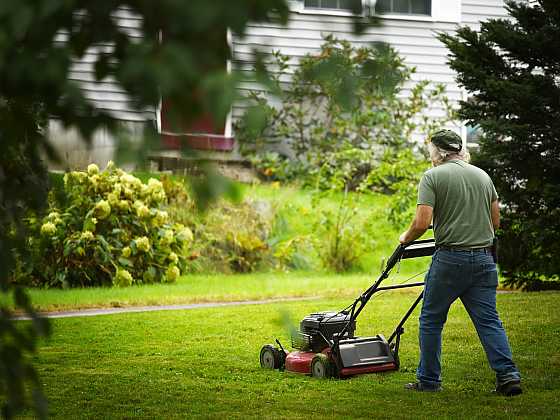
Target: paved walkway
[
  {"x": 188, "y": 306},
  {"x": 132, "y": 309}
]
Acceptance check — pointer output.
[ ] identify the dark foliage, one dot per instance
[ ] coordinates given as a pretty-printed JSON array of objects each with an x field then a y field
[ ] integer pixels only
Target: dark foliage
[
  {"x": 39, "y": 40},
  {"x": 23, "y": 190},
  {"x": 511, "y": 67}
]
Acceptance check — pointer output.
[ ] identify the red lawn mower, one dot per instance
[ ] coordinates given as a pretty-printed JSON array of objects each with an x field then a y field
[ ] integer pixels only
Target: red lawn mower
[{"x": 325, "y": 345}]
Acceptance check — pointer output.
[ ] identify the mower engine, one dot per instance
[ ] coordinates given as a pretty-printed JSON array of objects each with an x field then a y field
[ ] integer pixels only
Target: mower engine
[{"x": 318, "y": 329}]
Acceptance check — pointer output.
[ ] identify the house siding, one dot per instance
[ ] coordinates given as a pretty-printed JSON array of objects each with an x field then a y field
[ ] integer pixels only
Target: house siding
[
  {"x": 415, "y": 40},
  {"x": 106, "y": 95}
]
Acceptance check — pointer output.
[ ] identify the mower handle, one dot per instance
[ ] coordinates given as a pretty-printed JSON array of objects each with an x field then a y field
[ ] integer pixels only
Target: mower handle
[{"x": 414, "y": 249}]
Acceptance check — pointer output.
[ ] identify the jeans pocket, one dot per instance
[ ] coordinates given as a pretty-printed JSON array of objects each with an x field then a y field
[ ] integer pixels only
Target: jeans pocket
[
  {"x": 448, "y": 270},
  {"x": 490, "y": 275}
]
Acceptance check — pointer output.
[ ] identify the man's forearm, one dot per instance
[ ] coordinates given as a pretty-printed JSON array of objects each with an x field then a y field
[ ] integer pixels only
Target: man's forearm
[
  {"x": 419, "y": 225},
  {"x": 412, "y": 233}
]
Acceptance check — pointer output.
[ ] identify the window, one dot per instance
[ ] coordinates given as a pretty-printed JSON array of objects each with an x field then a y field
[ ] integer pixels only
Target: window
[
  {"x": 354, "y": 6},
  {"x": 404, "y": 7}
]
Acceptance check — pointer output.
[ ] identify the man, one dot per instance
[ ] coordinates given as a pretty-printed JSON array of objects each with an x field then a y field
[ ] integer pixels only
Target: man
[{"x": 462, "y": 201}]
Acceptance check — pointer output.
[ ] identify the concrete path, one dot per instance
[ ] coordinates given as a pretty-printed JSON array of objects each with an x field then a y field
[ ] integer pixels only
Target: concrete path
[{"x": 133, "y": 309}]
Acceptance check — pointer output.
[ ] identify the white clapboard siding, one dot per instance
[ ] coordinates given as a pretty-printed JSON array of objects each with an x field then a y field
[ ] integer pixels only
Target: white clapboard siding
[
  {"x": 415, "y": 40},
  {"x": 107, "y": 95},
  {"x": 475, "y": 11}
]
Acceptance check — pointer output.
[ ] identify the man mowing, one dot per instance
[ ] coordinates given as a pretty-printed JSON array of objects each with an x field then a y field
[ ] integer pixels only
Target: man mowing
[{"x": 463, "y": 203}]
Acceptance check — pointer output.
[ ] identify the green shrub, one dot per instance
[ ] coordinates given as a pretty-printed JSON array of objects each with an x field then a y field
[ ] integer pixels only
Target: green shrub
[
  {"x": 341, "y": 117},
  {"x": 112, "y": 231},
  {"x": 232, "y": 238},
  {"x": 399, "y": 174},
  {"x": 340, "y": 239}
]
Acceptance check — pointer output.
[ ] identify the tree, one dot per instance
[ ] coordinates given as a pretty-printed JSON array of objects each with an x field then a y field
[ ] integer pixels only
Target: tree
[
  {"x": 511, "y": 68},
  {"x": 34, "y": 83}
]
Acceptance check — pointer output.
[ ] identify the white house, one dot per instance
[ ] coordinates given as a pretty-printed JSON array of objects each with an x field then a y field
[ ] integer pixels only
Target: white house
[{"x": 410, "y": 26}]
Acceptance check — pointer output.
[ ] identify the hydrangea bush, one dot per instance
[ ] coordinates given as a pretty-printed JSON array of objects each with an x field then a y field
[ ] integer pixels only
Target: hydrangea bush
[{"x": 113, "y": 230}]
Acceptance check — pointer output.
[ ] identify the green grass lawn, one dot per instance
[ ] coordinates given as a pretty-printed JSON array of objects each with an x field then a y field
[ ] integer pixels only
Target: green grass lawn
[
  {"x": 218, "y": 288},
  {"x": 203, "y": 363}
]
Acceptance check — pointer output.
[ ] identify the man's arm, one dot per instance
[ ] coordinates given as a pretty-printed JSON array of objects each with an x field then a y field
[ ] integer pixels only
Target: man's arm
[
  {"x": 419, "y": 225},
  {"x": 495, "y": 211}
]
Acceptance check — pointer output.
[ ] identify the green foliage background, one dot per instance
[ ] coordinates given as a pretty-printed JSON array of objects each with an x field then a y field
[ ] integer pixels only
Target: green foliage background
[{"x": 342, "y": 116}]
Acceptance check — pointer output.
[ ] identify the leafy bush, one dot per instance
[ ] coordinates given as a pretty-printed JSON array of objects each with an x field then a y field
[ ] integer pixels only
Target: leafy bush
[
  {"x": 399, "y": 174},
  {"x": 340, "y": 240},
  {"x": 23, "y": 192},
  {"x": 112, "y": 231},
  {"x": 341, "y": 117},
  {"x": 232, "y": 238}
]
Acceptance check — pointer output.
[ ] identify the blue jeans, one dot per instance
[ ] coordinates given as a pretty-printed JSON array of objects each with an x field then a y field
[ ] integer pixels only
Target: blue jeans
[{"x": 472, "y": 277}]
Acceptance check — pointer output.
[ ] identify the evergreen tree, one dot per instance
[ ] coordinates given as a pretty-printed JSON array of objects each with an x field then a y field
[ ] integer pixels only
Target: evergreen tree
[{"x": 511, "y": 68}]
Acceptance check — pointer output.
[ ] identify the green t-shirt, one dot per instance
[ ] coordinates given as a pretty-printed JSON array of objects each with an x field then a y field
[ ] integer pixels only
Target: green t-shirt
[{"x": 461, "y": 196}]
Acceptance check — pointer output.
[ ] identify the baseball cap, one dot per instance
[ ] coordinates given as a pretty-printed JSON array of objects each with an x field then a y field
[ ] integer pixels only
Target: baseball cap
[{"x": 447, "y": 140}]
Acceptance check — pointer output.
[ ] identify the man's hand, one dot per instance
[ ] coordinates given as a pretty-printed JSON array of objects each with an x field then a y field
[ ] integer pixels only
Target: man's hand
[{"x": 419, "y": 225}]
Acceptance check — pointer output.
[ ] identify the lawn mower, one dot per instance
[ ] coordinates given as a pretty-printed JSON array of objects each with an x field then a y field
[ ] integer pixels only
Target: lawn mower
[{"x": 325, "y": 345}]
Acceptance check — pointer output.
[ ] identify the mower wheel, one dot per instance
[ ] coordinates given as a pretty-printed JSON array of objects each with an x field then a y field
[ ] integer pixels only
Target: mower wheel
[
  {"x": 270, "y": 357},
  {"x": 322, "y": 367}
]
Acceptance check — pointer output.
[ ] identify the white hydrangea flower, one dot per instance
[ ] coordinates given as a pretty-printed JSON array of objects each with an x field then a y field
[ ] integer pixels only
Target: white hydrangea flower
[
  {"x": 124, "y": 205},
  {"x": 48, "y": 229},
  {"x": 92, "y": 169},
  {"x": 123, "y": 278},
  {"x": 143, "y": 244},
  {"x": 102, "y": 209},
  {"x": 113, "y": 199},
  {"x": 168, "y": 237},
  {"x": 86, "y": 235},
  {"x": 161, "y": 217},
  {"x": 142, "y": 211},
  {"x": 126, "y": 251},
  {"x": 54, "y": 217},
  {"x": 185, "y": 235},
  {"x": 172, "y": 273}
]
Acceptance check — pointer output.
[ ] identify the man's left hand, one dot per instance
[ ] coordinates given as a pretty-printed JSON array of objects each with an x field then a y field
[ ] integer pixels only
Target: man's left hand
[{"x": 403, "y": 237}]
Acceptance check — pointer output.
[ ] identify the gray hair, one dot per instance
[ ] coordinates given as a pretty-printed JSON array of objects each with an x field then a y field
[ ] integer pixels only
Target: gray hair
[{"x": 439, "y": 155}]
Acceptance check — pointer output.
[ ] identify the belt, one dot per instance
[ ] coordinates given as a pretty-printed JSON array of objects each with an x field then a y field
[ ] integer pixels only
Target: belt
[{"x": 457, "y": 248}]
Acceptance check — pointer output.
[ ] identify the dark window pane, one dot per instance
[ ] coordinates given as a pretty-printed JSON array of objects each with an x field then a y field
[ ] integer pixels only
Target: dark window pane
[
  {"x": 383, "y": 6},
  {"x": 329, "y": 4},
  {"x": 401, "y": 6},
  {"x": 352, "y": 5},
  {"x": 311, "y": 3},
  {"x": 421, "y": 7}
]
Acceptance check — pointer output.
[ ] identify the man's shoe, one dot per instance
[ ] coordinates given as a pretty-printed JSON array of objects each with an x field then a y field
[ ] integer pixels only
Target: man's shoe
[
  {"x": 417, "y": 386},
  {"x": 509, "y": 389}
]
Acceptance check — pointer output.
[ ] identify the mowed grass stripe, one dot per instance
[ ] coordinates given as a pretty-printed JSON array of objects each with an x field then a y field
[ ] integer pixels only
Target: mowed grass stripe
[{"x": 204, "y": 364}]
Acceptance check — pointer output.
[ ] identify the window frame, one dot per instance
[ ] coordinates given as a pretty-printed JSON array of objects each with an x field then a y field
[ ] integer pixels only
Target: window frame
[
  {"x": 299, "y": 7},
  {"x": 335, "y": 9},
  {"x": 408, "y": 15},
  {"x": 448, "y": 11}
]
